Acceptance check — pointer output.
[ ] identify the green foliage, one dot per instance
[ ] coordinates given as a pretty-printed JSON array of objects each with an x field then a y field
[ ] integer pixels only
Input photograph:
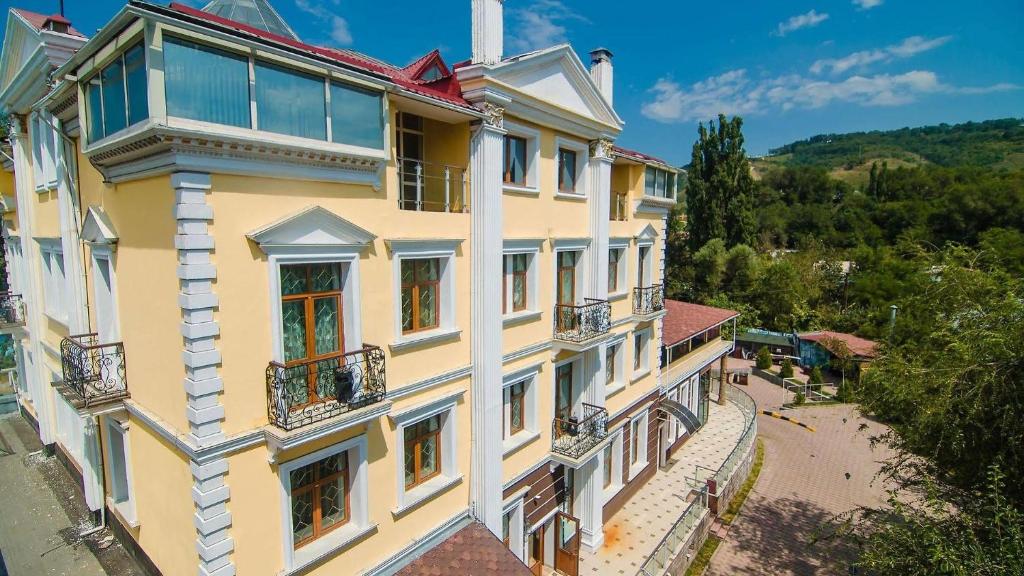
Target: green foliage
[
  {"x": 764, "y": 358},
  {"x": 720, "y": 187},
  {"x": 800, "y": 399},
  {"x": 815, "y": 377},
  {"x": 786, "y": 370},
  {"x": 709, "y": 268},
  {"x": 742, "y": 268}
]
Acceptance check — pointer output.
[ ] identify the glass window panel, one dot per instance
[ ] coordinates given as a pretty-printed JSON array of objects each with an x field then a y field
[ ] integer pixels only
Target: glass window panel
[
  {"x": 428, "y": 302},
  {"x": 206, "y": 84},
  {"x": 567, "y": 170},
  {"x": 301, "y": 477},
  {"x": 333, "y": 507},
  {"x": 93, "y": 108},
  {"x": 660, "y": 184},
  {"x": 115, "y": 113},
  {"x": 428, "y": 456},
  {"x": 406, "y": 308},
  {"x": 518, "y": 292},
  {"x": 408, "y": 271},
  {"x": 515, "y": 160},
  {"x": 302, "y": 516},
  {"x": 519, "y": 263},
  {"x": 290, "y": 102},
  {"x": 357, "y": 116},
  {"x": 516, "y": 415},
  {"x": 325, "y": 313},
  {"x": 293, "y": 316},
  {"x": 325, "y": 277},
  {"x": 135, "y": 78},
  {"x": 426, "y": 269},
  {"x": 293, "y": 280},
  {"x": 410, "y": 463},
  {"x": 649, "y": 178}
]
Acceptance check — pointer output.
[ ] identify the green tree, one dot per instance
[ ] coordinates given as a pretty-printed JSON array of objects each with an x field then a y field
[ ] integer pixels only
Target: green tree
[
  {"x": 742, "y": 267},
  {"x": 678, "y": 261},
  {"x": 764, "y": 358},
  {"x": 709, "y": 269},
  {"x": 720, "y": 187},
  {"x": 815, "y": 377},
  {"x": 786, "y": 371}
]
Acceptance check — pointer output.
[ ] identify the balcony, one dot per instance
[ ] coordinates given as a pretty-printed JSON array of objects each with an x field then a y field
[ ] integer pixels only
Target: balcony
[
  {"x": 575, "y": 437},
  {"x": 426, "y": 187},
  {"x": 579, "y": 327},
  {"x": 649, "y": 301},
  {"x": 12, "y": 311},
  {"x": 94, "y": 372},
  {"x": 322, "y": 389}
]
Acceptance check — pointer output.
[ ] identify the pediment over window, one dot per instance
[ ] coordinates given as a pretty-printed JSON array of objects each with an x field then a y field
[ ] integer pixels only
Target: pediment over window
[
  {"x": 97, "y": 227},
  {"x": 312, "y": 226},
  {"x": 648, "y": 233}
]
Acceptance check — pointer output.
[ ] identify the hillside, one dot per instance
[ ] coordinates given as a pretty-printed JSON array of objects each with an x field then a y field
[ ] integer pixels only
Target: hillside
[{"x": 993, "y": 144}]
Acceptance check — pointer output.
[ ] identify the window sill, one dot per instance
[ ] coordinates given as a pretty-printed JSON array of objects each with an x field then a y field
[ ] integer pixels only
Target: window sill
[
  {"x": 517, "y": 441},
  {"x": 124, "y": 510},
  {"x": 424, "y": 492},
  {"x": 521, "y": 317},
  {"x": 613, "y": 389},
  {"x": 48, "y": 187},
  {"x": 424, "y": 338},
  {"x": 617, "y": 296},
  {"x": 54, "y": 317},
  {"x": 639, "y": 374},
  {"x": 611, "y": 491},
  {"x": 525, "y": 190},
  {"x": 560, "y": 195},
  {"x": 330, "y": 545},
  {"x": 636, "y": 469}
]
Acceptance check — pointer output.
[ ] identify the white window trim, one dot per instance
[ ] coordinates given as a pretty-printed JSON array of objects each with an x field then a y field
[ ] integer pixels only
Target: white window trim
[
  {"x": 358, "y": 524},
  {"x": 617, "y": 455},
  {"x": 44, "y": 152},
  {"x": 106, "y": 252},
  {"x": 641, "y": 461},
  {"x": 577, "y": 384},
  {"x": 645, "y": 364},
  {"x": 618, "y": 382},
  {"x": 421, "y": 249},
  {"x": 580, "y": 245},
  {"x": 532, "y": 137},
  {"x": 55, "y": 290},
  {"x": 126, "y": 508},
  {"x": 582, "y": 150},
  {"x": 531, "y": 426},
  {"x": 449, "y": 476},
  {"x": 648, "y": 279},
  {"x": 516, "y": 527},
  {"x": 621, "y": 244},
  {"x": 348, "y": 257},
  {"x": 532, "y": 249}
]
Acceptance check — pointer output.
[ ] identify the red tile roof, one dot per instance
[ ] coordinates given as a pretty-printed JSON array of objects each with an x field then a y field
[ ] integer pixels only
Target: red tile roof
[
  {"x": 38, "y": 21},
  {"x": 445, "y": 89},
  {"x": 638, "y": 156},
  {"x": 858, "y": 346},
  {"x": 683, "y": 320},
  {"x": 472, "y": 551}
]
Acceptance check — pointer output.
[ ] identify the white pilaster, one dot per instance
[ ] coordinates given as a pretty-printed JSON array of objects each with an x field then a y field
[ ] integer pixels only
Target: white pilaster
[
  {"x": 602, "y": 72},
  {"x": 592, "y": 502},
  {"x": 488, "y": 31},
  {"x": 486, "y": 156}
]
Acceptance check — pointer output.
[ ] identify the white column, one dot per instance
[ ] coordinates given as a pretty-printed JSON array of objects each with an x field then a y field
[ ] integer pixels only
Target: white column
[
  {"x": 592, "y": 501},
  {"x": 70, "y": 229},
  {"x": 486, "y": 208},
  {"x": 488, "y": 31},
  {"x": 39, "y": 387}
]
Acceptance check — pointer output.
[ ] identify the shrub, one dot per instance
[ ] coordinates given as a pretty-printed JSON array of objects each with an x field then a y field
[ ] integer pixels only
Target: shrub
[
  {"x": 816, "y": 377},
  {"x": 844, "y": 393},
  {"x": 787, "y": 369},
  {"x": 800, "y": 399},
  {"x": 764, "y": 358}
]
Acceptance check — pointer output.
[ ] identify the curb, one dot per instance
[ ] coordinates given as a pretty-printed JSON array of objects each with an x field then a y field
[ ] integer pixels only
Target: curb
[{"x": 788, "y": 419}]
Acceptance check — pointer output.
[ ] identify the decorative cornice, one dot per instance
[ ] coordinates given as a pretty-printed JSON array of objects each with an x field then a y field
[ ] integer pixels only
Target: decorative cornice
[
  {"x": 494, "y": 115},
  {"x": 602, "y": 149}
]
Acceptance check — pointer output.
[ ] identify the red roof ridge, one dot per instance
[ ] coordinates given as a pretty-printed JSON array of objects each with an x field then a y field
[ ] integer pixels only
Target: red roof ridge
[
  {"x": 37, "y": 20},
  {"x": 638, "y": 155},
  {"x": 685, "y": 319}
]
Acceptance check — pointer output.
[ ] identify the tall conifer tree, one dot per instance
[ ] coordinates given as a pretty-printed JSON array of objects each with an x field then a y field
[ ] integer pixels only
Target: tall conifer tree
[{"x": 721, "y": 188}]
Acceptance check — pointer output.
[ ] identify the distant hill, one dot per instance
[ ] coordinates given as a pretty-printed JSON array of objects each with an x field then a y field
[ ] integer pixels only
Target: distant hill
[{"x": 993, "y": 143}]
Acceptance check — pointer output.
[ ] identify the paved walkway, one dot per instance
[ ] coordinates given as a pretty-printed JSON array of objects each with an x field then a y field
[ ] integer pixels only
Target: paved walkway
[
  {"x": 807, "y": 478},
  {"x": 634, "y": 532},
  {"x": 41, "y": 515}
]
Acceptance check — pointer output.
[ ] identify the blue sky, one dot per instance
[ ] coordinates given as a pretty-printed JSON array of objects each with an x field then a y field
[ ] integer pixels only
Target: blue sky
[{"x": 792, "y": 69}]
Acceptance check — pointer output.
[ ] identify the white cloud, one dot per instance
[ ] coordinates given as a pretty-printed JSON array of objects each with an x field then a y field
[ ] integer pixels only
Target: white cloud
[
  {"x": 340, "y": 33},
  {"x": 808, "y": 20},
  {"x": 539, "y": 25},
  {"x": 735, "y": 93},
  {"x": 867, "y": 4},
  {"x": 909, "y": 47}
]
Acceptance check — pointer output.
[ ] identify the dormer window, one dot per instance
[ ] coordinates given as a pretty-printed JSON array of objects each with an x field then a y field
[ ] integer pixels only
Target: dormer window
[
  {"x": 431, "y": 74},
  {"x": 58, "y": 24}
]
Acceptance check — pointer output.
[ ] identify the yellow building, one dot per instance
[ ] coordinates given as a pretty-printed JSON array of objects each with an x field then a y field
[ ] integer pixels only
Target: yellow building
[{"x": 287, "y": 309}]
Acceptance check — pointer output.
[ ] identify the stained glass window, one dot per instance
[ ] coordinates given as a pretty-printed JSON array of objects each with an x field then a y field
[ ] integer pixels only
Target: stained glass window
[
  {"x": 421, "y": 280},
  {"x": 319, "y": 498},
  {"x": 422, "y": 451}
]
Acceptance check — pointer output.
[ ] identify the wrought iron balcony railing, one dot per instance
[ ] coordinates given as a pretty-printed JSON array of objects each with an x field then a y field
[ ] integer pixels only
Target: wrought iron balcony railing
[
  {"x": 12, "y": 310},
  {"x": 302, "y": 394},
  {"x": 648, "y": 300},
  {"x": 573, "y": 437},
  {"x": 581, "y": 323},
  {"x": 94, "y": 370}
]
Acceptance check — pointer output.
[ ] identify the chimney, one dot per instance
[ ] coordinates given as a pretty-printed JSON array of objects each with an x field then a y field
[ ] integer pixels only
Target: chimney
[
  {"x": 488, "y": 31},
  {"x": 601, "y": 71}
]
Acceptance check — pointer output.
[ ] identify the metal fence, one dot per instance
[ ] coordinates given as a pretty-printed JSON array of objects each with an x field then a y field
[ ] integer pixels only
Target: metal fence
[{"x": 687, "y": 533}]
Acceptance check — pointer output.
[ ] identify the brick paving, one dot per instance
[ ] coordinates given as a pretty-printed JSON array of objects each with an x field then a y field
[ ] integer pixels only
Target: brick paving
[
  {"x": 632, "y": 534},
  {"x": 807, "y": 479}
]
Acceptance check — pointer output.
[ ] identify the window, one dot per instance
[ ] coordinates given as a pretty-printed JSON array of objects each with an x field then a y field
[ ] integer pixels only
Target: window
[
  {"x": 357, "y": 116},
  {"x": 618, "y": 206},
  {"x": 206, "y": 84},
  {"x": 506, "y": 527},
  {"x": 609, "y": 364},
  {"x": 515, "y": 409},
  {"x": 614, "y": 258},
  {"x": 563, "y": 391},
  {"x": 54, "y": 281},
  {"x": 614, "y": 365},
  {"x": 567, "y": 277},
  {"x": 515, "y": 160},
  {"x": 422, "y": 451},
  {"x": 420, "y": 286},
  {"x": 312, "y": 325},
  {"x": 643, "y": 266},
  {"x": 290, "y": 102},
  {"x": 660, "y": 183},
  {"x": 117, "y": 97},
  {"x": 120, "y": 471},
  {"x": 431, "y": 74},
  {"x": 609, "y": 452},
  {"x": 515, "y": 288},
  {"x": 44, "y": 150},
  {"x": 638, "y": 443},
  {"x": 319, "y": 498},
  {"x": 567, "y": 170},
  {"x": 641, "y": 340}
]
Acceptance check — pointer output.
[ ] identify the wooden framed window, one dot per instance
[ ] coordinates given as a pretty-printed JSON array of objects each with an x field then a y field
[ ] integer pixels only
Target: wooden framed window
[
  {"x": 421, "y": 286},
  {"x": 319, "y": 498},
  {"x": 614, "y": 256},
  {"x": 515, "y": 399},
  {"x": 609, "y": 450},
  {"x": 563, "y": 391},
  {"x": 609, "y": 364},
  {"x": 567, "y": 170},
  {"x": 515, "y": 161},
  {"x": 516, "y": 270},
  {"x": 312, "y": 324},
  {"x": 422, "y": 451},
  {"x": 567, "y": 278},
  {"x": 634, "y": 442}
]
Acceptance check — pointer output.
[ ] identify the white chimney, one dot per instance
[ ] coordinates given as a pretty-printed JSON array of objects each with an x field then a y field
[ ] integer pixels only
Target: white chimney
[
  {"x": 601, "y": 71},
  {"x": 488, "y": 31}
]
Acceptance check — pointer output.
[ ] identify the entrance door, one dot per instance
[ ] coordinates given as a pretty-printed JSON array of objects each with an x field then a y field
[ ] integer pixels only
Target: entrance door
[
  {"x": 535, "y": 552},
  {"x": 567, "y": 544}
]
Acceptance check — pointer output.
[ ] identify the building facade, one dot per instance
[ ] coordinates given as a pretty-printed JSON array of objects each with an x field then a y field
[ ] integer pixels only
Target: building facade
[{"x": 290, "y": 309}]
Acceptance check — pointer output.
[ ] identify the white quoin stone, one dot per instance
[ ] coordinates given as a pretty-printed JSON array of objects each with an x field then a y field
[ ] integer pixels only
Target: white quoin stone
[
  {"x": 601, "y": 72},
  {"x": 488, "y": 31}
]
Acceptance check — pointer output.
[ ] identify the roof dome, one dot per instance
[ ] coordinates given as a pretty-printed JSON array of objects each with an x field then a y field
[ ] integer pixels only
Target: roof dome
[{"x": 256, "y": 13}]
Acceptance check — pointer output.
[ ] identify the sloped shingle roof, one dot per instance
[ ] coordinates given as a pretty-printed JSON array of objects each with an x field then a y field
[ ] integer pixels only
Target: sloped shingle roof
[
  {"x": 858, "y": 346},
  {"x": 683, "y": 320},
  {"x": 37, "y": 21},
  {"x": 472, "y": 551}
]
